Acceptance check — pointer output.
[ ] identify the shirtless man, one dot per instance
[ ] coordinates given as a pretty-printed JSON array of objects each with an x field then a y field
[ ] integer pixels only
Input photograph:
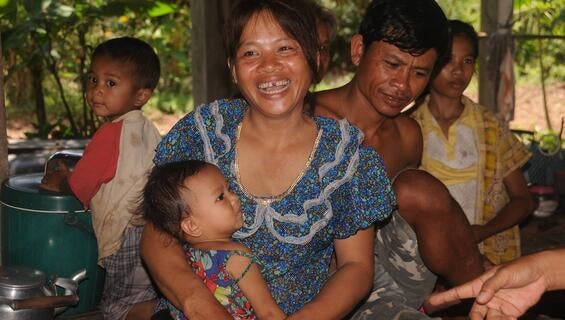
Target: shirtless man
[{"x": 395, "y": 52}]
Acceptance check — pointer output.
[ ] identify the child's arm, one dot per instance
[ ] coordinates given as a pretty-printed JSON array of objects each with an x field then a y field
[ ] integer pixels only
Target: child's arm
[
  {"x": 253, "y": 286},
  {"x": 55, "y": 178}
]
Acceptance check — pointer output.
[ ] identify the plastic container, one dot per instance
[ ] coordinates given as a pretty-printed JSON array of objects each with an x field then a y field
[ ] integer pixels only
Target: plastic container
[
  {"x": 50, "y": 232},
  {"x": 548, "y": 200}
]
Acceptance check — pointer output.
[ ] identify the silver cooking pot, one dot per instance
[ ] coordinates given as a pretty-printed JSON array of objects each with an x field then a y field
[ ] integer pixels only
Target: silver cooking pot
[{"x": 25, "y": 294}]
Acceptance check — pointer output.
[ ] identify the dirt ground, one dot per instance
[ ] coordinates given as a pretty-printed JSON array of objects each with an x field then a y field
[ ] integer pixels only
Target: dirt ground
[{"x": 529, "y": 113}]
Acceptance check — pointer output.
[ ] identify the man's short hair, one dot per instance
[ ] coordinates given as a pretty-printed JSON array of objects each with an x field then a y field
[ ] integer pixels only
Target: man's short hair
[
  {"x": 414, "y": 26},
  {"x": 137, "y": 55}
]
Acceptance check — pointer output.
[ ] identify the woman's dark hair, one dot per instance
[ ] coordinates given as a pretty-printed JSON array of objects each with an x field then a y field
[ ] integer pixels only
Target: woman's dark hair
[
  {"x": 456, "y": 28},
  {"x": 161, "y": 202},
  {"x": 414, "y": 26},
  {"x": 137, "y": 55},
  {"x": 296, "y": 18},
  {"x": 463, "y": 29}
]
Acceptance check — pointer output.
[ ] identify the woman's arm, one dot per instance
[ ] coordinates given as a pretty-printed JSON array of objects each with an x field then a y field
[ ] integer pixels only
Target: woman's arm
[
  {"x": 520, "y": 206},
  {"x": 169, "y": 269},
  {"x": 349, "y": 284}
]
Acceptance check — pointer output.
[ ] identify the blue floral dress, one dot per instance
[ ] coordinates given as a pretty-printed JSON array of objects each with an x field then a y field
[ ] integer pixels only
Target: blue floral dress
[{"x": 343, "y": 189}]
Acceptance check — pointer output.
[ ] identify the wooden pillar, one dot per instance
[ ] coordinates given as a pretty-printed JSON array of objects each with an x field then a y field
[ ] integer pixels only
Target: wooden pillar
[
  {"x": 210, "y": 76},
  {"x": 3, "y": 124},
  {"x": 3, "y": 132},
  {"x": 487, "y": 83}
]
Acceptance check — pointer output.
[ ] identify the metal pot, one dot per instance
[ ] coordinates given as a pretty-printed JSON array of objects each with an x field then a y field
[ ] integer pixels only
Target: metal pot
[{"x": 26, "y": 295}]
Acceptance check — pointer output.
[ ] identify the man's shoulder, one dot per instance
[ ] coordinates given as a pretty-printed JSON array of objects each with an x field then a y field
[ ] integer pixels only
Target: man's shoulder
[
  {"x": 326, "y": 104},
  {"x": 407, "y": 127},
  {"x": 409, "y": 138}
]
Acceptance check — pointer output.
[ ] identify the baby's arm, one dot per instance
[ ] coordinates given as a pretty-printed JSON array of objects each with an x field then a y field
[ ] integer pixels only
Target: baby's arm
[{"x": 253, "y": 285}]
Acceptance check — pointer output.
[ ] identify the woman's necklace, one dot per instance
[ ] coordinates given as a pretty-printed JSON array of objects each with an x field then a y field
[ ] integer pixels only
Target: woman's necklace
[
  {"x": 209, "y": 240},
  {"x": 267, "y": 200}
]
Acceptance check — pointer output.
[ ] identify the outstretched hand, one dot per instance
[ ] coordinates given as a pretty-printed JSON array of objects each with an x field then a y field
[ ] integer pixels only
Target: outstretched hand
[{"x": 503, "y": 292}]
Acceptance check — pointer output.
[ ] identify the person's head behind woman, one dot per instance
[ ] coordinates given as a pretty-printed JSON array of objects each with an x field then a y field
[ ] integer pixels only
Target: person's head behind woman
[
  {"x": 295, "y": 18},
  {"x": 458, "y": 69}
]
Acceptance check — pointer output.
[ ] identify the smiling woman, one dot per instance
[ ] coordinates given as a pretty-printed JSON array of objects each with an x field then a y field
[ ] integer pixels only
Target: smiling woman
[{"x": 297, "y": 176}]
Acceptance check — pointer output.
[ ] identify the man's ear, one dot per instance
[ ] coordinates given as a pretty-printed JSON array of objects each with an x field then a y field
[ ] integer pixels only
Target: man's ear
[
  {"x": 191, "y": 227},
  {"x": 357, "y": 49},
  {"x": 142, "y": 96}
]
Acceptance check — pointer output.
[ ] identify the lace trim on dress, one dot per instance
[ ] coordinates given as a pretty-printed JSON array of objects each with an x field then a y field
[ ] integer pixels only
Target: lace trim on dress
[
  {"x": 265, "y": 213},
  {"x": 209, "y": 153}
]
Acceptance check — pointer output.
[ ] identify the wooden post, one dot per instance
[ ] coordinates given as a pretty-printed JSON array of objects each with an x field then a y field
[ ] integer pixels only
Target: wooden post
[
  {"x": 487, "y": 83},
  {"x": 3, "y": 124},
  {"x": 210, "y": 75},
  {"x": 3, "y": 133}
]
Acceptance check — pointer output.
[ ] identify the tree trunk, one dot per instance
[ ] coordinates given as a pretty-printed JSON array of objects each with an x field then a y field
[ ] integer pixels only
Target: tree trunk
[
  {"x": 3, "y": 131},
  {"x": 37, "y": 84}
]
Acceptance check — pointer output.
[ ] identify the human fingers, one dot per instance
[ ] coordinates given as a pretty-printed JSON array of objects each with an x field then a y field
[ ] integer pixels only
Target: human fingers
[
  {"x": 450, "y": 296},
  {"x": 478, "y": 312},
  {"x": 495, "y": 314}
]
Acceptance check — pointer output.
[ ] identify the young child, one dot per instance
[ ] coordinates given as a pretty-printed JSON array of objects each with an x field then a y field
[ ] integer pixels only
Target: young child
[
  {"x": 190, "y": 200},
  {"x": 114, "y": 167}
]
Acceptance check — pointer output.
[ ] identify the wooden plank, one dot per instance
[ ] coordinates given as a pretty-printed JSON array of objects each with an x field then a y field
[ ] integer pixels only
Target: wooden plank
[{"x": 210, "y": 76}]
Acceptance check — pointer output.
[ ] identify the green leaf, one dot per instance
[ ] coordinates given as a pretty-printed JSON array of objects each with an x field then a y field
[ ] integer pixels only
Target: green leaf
[
  {"x": 63, "y": 11},
  {"x": 160, "y": 9},
  {"x": 34, "y": 7},
  {"x": 8, "y": 9}
]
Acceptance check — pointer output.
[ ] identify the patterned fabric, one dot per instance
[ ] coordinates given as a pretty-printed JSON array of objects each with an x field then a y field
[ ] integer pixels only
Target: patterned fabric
[
  {"x": 127, "y": 281},
  {"x": 345, "y": 188},
  {"x": 499, "y": 153},
  {"x": 211, "y": 267},
  {"x": 401, "y": 281}
]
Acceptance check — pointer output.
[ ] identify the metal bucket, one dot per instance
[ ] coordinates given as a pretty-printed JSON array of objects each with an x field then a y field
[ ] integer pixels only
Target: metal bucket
[{"x": 52, "y": 233}]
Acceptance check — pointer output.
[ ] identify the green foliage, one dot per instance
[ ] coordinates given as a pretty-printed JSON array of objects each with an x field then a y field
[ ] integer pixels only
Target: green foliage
[{"x": 539, "y": 17}]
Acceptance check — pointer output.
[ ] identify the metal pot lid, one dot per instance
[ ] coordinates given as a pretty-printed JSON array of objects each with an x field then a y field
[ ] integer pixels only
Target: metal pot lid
[{"x": 20, "y": 277}]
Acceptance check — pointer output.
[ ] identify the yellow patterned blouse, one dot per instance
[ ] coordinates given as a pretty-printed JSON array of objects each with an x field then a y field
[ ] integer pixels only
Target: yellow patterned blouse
[{"x": 472, "y": 161}]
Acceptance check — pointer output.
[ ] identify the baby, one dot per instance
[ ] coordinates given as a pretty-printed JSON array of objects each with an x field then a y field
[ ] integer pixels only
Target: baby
[{"x": 190, "y": 200}]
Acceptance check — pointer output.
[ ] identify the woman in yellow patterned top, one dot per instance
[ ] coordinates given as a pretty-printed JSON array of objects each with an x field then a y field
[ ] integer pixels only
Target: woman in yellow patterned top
[{"x": 473, "y": 154}]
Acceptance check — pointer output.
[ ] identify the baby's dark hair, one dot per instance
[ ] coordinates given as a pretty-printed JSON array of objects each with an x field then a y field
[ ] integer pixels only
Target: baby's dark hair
[
  {"x": 414, "y": 26},
  {"x": 137, "y": 55},
  {"x": 460, "y": 28},
  {"x": 296, "y": 17},
  {"x": 161, "y": 202}
]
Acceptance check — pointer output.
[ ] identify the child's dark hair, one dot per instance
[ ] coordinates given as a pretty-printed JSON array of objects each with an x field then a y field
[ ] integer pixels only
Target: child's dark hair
[
  {"x": 463, "y": 29},
  {"x": 414, "y": 26},
  {"x": 296, "y": 18},
  {"x": 161, "y": 201},
  {"x": 136, "y": 55}
]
